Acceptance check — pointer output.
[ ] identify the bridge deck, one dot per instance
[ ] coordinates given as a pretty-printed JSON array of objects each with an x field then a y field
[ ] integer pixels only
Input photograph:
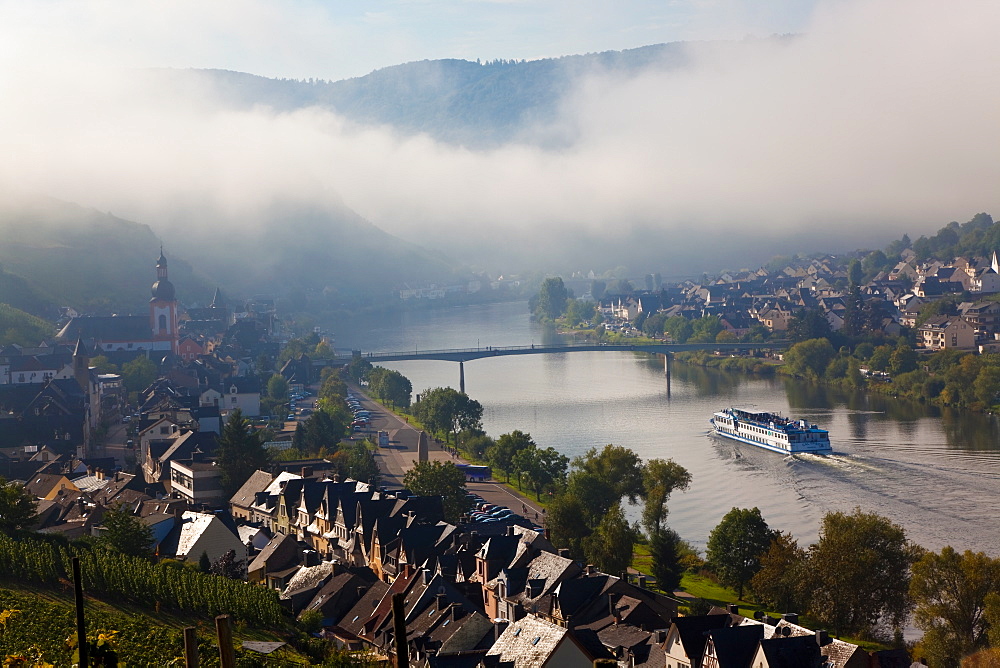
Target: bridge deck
[{"x": 467, "y": 354}]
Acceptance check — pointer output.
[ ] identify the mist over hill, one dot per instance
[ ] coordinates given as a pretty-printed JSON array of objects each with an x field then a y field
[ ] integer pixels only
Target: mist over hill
[
  {"x": 676, "y": 158},
  {"x": 479, "y": 105}
]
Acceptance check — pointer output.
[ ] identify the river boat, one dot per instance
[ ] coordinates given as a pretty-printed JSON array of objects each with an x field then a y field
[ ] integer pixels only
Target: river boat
[{"x": 771, "y": 431}]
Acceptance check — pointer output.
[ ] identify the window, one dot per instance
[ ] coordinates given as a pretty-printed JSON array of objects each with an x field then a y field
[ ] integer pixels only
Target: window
[{"x": 163, "y": 323}]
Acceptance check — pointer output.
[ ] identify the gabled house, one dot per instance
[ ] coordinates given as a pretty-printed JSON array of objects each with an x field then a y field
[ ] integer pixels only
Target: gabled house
[
  {"x": 196, "y": 533},
  {"x": 532, "y": 642},
  {"x": 685, "y": 641},
  {"x": 944, "y": 332}
]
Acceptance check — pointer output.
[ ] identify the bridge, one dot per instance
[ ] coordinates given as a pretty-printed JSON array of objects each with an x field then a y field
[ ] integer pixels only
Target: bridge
[{"x": 463, "y": 355}]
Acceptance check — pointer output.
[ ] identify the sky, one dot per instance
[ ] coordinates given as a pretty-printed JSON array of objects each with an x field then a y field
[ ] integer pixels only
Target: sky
[
  {"x": 339, "y": 39},
  {"x": 879, "y": 118}
]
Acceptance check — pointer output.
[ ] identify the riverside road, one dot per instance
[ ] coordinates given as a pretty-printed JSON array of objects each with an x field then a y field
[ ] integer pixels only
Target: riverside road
[{"x": 401, "y": 455}]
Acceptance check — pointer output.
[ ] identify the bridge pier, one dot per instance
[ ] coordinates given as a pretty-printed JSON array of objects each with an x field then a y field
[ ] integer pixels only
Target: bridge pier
[
  {"x": 461, "y": 377},
  {"x": 666, "y": 371}
]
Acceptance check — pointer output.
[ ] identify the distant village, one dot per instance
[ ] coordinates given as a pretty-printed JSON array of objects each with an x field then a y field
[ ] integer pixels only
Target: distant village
[
  {"x": 744, "y": 300},
  {"x": 497, "y": 594}
]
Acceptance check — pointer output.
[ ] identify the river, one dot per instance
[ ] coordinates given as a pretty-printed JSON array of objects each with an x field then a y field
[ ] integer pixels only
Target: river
[{"x": 934, "y": 472}]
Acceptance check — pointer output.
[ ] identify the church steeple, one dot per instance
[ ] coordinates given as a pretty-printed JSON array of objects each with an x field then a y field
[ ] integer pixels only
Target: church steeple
[
  {"x": 163, "y": 306},
  {"x": 995, "y": 265}
]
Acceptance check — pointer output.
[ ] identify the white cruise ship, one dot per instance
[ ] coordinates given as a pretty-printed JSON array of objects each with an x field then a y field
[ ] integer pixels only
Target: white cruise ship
[{"x": 771, "y": 431}]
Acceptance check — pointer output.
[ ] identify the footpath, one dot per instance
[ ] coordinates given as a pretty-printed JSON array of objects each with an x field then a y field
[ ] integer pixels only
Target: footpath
[{"x": 401, "y": 455}]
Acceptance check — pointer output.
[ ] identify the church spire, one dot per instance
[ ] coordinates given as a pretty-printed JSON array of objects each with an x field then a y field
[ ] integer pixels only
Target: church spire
[{"x": 995, "y": 265}]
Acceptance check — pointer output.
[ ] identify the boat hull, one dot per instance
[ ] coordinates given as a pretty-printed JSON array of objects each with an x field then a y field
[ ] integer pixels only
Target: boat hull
[
  {"x": 771, "y": 432},
  {"x": 796, "y": 450}
]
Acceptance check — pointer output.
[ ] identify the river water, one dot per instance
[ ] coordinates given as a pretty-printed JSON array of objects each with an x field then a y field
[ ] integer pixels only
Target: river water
[{"x": 937, "y": 473}]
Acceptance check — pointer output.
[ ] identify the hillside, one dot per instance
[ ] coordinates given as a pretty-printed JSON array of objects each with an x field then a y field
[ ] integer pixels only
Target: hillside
[
  {"x": 59, "y": 254},
  {"x": 457, "y": 101}
]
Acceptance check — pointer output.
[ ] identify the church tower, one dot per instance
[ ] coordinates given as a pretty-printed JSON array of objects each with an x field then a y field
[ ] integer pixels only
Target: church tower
[{"x": 163, "y": 309}]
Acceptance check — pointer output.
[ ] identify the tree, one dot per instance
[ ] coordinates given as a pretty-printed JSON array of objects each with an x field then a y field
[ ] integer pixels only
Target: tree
[
  {"x": 568, "y": 523},
  {"x": 277, "y": 387},
  {"x": 240, "y": 452},
  {"x": 618, "y": 466},
  {"x": 127, "y": 534},
  {"x": 666, "y": 558},
  {"x": 503, "y": 452},
  {"x": 903, "y": 359},
  {"x": 808, "y": 324},
  {"x": 660, "y": 477},
  {"x": 949, "y": 593},
  {"x": 446, "y": 409},
  {"x": 610, "y": 545},
  {"x": 138, "y": 374},
  {"x": 358, "y": 368},
  {"x": 778, "y": 582},
  {"x": 858, "y": 573},
  {"x": 552, "y": 297},
  {"x": 543, "y": 467},
  {"x": 391, "y": 386},
  {"x": 678, "y": 328},
  {"x": 442, "y": 479},
  {"x": 321, "y": 430},
  {"x": 809, "y": 358},
  {"x": 855, "y": 272},
  {"x": 735, "y": 546},
  {"x": 228, "y": 566},
  {"x": 594, "y": 494},
  {"x": 102, "y": 364},
  {"x": 17, "y": 507}
]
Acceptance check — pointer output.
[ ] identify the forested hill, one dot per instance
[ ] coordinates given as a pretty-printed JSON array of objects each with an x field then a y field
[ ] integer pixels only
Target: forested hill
[
  {"x": 56, "y": 253},
  {"x": 459, "y": 101},
  {"x": 979, "y": 237}
]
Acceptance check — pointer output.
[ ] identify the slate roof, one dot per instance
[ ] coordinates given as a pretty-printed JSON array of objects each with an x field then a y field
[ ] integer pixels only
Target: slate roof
[
  {"x": 109, "y": 329},
  {"x": 342, "y": 592},
  {"x": 258, "y": 482},
  {"x": 791, "y": 652},
  {"x": 692, "y": 633},
  {"x": 183, "y": 536},
  {"x": 307, "y": 577},
  {"x": 735, "y": 646},
  {"x": 281, "y": 552},
  {"x": 528, "y": 642}
]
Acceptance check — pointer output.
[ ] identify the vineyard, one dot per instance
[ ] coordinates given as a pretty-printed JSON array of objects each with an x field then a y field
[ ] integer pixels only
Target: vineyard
[
  {"x": 42, "y": 632},
  {"x": 140, "y": 581}
]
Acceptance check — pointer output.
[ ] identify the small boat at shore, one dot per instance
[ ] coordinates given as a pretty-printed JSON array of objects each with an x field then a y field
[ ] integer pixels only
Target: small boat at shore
[{"x": 771, "y": 431}]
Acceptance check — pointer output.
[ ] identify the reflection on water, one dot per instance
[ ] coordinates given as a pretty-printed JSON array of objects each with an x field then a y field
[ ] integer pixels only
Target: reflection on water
[{"x": 933, "y": 471}]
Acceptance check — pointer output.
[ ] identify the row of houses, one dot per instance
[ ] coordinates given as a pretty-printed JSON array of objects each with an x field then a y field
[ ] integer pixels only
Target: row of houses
[
  {"x": 772, "y": 299},
  {"x": 487, "y": 595}
]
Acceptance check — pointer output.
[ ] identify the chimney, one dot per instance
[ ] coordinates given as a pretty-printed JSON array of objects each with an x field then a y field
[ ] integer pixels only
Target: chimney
[
  {"x": 81, "y": 504},
  {"x": 640, "y": 582},
  {"x": 361, "y": 592},
  {"x": 442, "y": 601},
  {"x": 591, "y": 569},
  {"x": 456, "y": 612},
  {"x": 510, "y": 530},
  {"x": 427, "y": 576},
  {"x": 770, "y": 621},
  {"x": 822, "y": 638},
  {"x": 564, "y": 552},
  {"x": 545, "y": 533},
  {"x": 307, "y": 471},
  {"x": 499, "y": 626},
  {"x": 791, "y": 617},
  {"x": 733, "y": 609},
  {"x": 178, "y": 512},
  {"x": 99, "y": 472}
]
